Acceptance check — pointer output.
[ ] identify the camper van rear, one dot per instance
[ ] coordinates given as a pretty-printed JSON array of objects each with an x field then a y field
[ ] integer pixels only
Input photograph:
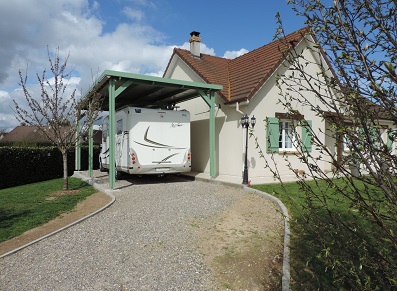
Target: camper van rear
[{"x": 149, "y": 141}]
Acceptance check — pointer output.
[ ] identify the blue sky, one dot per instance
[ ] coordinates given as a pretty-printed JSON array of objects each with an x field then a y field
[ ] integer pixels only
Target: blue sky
[{"x": 136, "y": 36}]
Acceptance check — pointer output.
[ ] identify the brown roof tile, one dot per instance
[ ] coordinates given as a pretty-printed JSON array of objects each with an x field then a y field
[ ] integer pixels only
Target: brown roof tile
[
  {"x": 243, "y": 76},
  {"x": 210, "y": 68}
]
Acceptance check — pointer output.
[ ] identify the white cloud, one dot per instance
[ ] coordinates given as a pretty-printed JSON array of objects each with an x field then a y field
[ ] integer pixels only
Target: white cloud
[
  {"x": 7, "y": 118},
  {"x": 235, "y": 54},
  {"x": 8, "y": 121},
  {"x": 203, "y": 48},
  {"x": 5, "y": 101},
  {"x": 134, "y": 14},
  {"x": 146, "y": 3},
  {"x": 76, "y": 27}
]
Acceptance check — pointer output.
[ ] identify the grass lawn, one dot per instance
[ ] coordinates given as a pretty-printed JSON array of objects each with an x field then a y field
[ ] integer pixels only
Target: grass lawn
[
  {"x": 314, "y": 235},
  {"x": 28, "y": 206}
]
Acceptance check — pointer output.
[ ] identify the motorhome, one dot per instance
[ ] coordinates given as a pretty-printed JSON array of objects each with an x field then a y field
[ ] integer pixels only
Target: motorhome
[{"x": 148, "y": 141}]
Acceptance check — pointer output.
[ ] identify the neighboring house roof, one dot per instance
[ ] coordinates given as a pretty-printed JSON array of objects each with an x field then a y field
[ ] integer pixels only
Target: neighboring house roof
[
  {"x": 243, "y": 76},
  {"x": 31, "y": 134},
  {"x": 24, "y": 133}
]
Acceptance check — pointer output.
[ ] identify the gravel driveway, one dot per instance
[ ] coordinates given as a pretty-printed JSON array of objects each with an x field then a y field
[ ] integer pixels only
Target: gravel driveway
[{"x": 144, "y": 241}]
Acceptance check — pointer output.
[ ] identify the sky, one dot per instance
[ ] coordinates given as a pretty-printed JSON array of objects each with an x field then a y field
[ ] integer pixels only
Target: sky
[{"x": 136, "y": 36}]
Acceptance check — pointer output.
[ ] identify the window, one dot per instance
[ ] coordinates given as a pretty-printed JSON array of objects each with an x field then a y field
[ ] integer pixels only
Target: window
[
  {"x": 119, "y": 126},
  {"x": 286, "y": 139},
  {"x": 382, "y": 138},
  {"x": 280, "y": 138},
  {"x": 377, "y": 136},
  {"x": 346, "y": 144}
]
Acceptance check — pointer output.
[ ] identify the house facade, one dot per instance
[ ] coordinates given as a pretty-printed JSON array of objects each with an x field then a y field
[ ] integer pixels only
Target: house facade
[{"x": 249, "y": 87}]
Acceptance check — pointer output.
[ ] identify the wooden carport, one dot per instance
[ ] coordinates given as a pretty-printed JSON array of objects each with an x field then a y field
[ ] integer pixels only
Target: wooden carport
[{"x": 120, "y": 89}]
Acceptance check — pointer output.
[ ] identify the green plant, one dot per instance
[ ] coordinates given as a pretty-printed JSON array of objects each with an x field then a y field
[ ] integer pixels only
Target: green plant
[
  {"x": 19, "y": 165},
  {"x": 343, "y": 73},
  {"x": 332, "y": 234},
  {"x": 59, "y": 117},
  {"x": 29, "y": 206}
]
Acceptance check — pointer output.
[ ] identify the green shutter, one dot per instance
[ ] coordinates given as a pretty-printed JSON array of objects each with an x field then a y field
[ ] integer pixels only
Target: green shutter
[
  {"x": 307, "y": 136},
  {"x": 390, "y": 139},
  {"x": 360, "y": 138},
  {"x": 272, "y": 133},
  {"x": 373, "y": 135}
]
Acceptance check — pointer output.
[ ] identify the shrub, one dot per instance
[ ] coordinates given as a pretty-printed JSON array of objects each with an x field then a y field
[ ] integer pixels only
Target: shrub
[{"x": 24, "y": 165}]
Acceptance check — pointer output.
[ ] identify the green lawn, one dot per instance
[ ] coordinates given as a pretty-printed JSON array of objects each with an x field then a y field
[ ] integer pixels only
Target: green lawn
[
  {"x": 26, "y": 207},
  {"x": 316, "y": 234}
]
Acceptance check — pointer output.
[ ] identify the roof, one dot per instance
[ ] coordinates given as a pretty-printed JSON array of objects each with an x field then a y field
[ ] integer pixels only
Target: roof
[
  {"x": 24, "y": 133},
  {"x": 243, "y": 76},
  {"x": 31, "y": 134},
  {"x": 146, "y": 91}
]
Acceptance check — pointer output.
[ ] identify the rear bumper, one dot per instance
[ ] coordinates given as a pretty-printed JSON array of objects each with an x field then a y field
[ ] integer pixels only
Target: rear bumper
[{"x": 153, "y": 170}]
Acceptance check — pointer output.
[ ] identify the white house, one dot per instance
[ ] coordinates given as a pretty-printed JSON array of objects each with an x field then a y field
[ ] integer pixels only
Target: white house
[{"x": 249, "y": 87}]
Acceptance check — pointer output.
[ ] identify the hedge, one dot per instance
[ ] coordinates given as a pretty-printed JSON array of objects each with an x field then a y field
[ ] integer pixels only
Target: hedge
[{"x": 24, "y": 165}]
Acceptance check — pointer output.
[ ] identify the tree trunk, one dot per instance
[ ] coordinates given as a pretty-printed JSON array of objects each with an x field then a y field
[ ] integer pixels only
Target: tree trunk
[{"x": 65, "y": 170}]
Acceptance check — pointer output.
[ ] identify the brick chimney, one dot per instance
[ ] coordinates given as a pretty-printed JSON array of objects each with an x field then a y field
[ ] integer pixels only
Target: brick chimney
[{"x": 195, "y": 44}]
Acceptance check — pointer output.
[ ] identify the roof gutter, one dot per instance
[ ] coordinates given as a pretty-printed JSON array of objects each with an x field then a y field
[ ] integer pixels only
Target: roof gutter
[{"x": 237, "y": 104}]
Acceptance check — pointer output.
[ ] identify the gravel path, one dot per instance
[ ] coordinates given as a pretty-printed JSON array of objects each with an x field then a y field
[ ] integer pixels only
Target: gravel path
[{"x": 144, "y": 241}]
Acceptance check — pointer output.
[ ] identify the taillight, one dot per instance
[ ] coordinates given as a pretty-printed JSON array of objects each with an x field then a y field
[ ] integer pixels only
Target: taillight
[
  {"x": 189, "y": 156},
  {"x": 134, "y": 159}
]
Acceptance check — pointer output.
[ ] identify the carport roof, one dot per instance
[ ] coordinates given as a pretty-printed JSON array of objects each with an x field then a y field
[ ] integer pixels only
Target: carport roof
[{"x": 146, "y": 91}]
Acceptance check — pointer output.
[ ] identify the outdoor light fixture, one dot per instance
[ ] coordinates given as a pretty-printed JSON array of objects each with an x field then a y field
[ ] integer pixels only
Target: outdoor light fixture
[{"x": 245, "y": 122}]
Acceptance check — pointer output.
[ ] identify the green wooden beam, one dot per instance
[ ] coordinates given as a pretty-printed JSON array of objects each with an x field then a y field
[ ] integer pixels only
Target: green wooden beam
[
  {"x": 204, "y": 96},
  {"x": 210, "y": 100},
  {"x": 78, "y": 145},
  {"x": 112, "y": 132},
  {"x": 90, "y": 146},
  {"x": 123, "y": 86},
  {"x": 212, "y": 135},
  {"x": 102, "y": 83},
  {"x": 159, "y": 81}
]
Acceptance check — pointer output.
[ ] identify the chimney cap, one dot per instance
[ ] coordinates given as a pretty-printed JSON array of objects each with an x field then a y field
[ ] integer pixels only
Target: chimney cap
[{"x": 195, "y": 33}]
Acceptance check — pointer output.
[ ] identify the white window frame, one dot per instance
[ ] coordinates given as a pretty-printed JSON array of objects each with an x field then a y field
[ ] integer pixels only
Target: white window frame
[
  {"x": 283, "y": 134},
  {"x": 382, "y": 132},
  {"x": 345, "y": 143}
]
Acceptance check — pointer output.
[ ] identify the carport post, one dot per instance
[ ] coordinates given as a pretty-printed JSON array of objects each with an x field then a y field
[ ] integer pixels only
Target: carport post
[
  {"x": 210, "y": 100},
  {"x": 90, "y": 146},
  {"x": 77, "y": 166},
  {"x": 112, "y": 118},
  {"x": 212, "y": 135}
]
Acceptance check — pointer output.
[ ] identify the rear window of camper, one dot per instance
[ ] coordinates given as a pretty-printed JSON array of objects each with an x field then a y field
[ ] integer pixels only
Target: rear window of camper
[{"x": 119, "y": 126}]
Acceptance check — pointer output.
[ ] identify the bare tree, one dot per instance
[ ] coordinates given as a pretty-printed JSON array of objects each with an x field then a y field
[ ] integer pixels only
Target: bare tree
[
  {"x": 59, "y": 116},
  {"x": 356, "y": 41}
]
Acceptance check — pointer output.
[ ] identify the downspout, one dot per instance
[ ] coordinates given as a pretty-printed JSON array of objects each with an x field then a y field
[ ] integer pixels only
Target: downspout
[
  {"x": 238, "y": 106},
  {"x": 242, "y": 113}
]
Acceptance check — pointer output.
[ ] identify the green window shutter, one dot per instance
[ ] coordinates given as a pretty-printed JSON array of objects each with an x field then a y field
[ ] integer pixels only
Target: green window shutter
[
  {"x": 272, "y": 135},
  {"x": 307, "y": 136},
  {"x": 373, "y": 135},
  {"x": 390, "y": 139},
  {"x": 360, "y": 138}
]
